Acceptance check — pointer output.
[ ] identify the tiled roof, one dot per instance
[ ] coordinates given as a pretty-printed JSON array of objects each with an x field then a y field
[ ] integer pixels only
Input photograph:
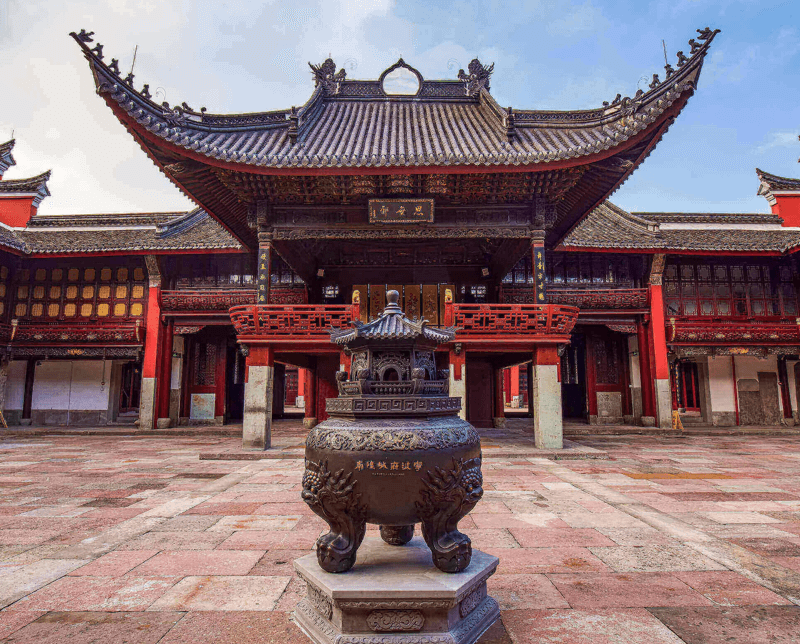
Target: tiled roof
[
  {"x": 6, "y": 158},
  {"x": 10, "y": 240},
  {"x": 156, "y": 232},
  {"x": 349, "y": 124},
  {"x": 610, "y": 227},
  {"x": 710, "y": 217},
  {"x": 36, "y": 184},
  {"x": 773, "y": 183}
]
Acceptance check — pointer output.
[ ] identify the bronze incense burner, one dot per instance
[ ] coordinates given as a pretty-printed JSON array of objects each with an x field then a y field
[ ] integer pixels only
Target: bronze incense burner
[{"x": 394, "y": 451}]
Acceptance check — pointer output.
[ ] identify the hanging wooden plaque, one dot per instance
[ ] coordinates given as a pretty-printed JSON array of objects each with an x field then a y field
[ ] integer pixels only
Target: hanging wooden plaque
[{"x": 400, "y": 211}]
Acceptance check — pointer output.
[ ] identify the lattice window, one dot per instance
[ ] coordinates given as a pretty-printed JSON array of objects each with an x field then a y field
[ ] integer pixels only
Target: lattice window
[
  {"x": 205, "y": 364},
  {"x": 605, "y": 361},
  {"x": 68, "y": 292},
  {"x": 701, "y": 288},
  {"x": 211, "y": 272},
  {"x": 589, "y": 270}
]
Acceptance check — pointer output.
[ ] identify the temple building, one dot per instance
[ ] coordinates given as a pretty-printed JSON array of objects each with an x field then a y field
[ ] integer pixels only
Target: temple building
[{"x": 493, "y": 220}]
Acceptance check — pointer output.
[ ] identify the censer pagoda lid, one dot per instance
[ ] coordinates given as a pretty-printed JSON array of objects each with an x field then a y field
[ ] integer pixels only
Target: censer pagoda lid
[{"x": 390, "y": 325}]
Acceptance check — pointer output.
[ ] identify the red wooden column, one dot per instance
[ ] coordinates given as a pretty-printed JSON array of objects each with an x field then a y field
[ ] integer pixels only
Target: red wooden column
[
  {"x": 310, "y": 416},
  {"x": 648, "y": 410},
  {"x": 258, "y": 385},
  {"x": 514, "y": 391},
  {"x": 165, "y": 374},
  {"x": 153, "y": 341},
  {"x": 220, "y": 382},
  {"x": 662, "y": 389},
  {"x": 783, "y": 377},
  {"x": 507, "y": 385},
  {"x": 499, "y": 419}
]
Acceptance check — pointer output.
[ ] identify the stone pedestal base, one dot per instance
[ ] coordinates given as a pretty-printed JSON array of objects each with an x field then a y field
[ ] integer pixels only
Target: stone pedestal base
[
  {"x": 395, "y": 595},
  {"x": 309, "y": 423}
]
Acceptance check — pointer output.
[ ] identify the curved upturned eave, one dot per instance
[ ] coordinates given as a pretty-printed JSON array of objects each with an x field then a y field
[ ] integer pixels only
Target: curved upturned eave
[{"x": 531, "y": 129}]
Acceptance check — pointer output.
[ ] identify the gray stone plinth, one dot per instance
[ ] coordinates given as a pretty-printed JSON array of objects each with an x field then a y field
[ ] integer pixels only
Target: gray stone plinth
[{"x": 395, "y": 595}]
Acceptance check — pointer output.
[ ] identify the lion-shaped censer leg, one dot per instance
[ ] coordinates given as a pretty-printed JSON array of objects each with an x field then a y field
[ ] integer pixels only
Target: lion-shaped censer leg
[
  {"x": 397, "y": 535},
  {"x": 449, "y": 495},
  {"x": 332, "y": 496}
]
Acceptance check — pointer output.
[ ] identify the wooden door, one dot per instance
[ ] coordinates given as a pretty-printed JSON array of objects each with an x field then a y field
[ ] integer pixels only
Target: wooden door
[
  {"x": 291, "y": 387},
  {"x": 607, "y": 375},
  {"x": 689, "y": 387},
  {"x": 130, "y": 388},
  {"x": 480, "y": 392}
]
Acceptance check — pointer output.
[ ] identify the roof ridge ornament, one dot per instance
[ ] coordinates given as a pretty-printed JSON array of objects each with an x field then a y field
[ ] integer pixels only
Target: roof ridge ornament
[
  {"x": 400, "y": 64},
  {"x": 478, "y": 77},
  {"x": 327, "y": 76}
]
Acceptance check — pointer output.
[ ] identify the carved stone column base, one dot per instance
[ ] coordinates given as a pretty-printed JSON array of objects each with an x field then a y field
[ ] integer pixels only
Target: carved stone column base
[
  {"x": 309, "y": 423},
  {"x": 372, "y": 605}
]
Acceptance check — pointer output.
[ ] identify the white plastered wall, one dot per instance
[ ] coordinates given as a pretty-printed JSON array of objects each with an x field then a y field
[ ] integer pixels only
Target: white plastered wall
[
  {"x": 749, "y": 366},
  {"x": 633, "y": 353},
  {"x": 15, "y": 385},
  {"x": 720, "y": 383},
  {"x": 71, "y": 385}
]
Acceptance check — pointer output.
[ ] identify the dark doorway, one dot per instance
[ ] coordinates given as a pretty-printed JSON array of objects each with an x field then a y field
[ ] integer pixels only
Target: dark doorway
[
  {"x": 573, "y": 379},
  {"x": 234, "y": 396},
  {"x": 480, "y": 392},
  {"x": 689, "y": 387},
  {"x": 291, "y": 387},
  {"x": 131, "y": 387}
]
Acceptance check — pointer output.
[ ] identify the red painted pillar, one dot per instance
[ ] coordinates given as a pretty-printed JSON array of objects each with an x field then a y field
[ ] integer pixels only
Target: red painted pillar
[
  {"x": 310, "y": 388},
  {"x": 507, "y": 385},
  {"x": 164, "y": 375},
  {"x": 152, "y": 352},
  {"x": 499, "y": 419},
  {"x": 514, "y": 390},
  {"x": 220, "y": 382},
  {"x": 662, "y": 389},
  {"x": 644, "y": 371}
]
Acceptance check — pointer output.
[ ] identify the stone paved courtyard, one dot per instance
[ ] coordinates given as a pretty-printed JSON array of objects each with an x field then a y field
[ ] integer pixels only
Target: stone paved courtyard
[{"x": 136, "y": 540}]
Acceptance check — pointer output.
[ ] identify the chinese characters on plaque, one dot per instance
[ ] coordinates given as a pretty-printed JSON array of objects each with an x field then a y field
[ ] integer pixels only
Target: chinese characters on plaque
[
  {"x": 263, "y": 275},
  {"x": 538, "y": 275},
  {"x": 400, "y": 211}
]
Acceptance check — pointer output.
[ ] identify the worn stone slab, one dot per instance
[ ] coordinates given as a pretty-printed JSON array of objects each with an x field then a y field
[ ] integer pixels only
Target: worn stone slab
[
  {"x": 240, "y": 627},
  {"x": 212, "y": 562},
  {"x": 600, "y": 626},
  {"x": 18, "y": 583},
  {"x": 723, "y": 625},
  {"x": 654, "y": 558},
  {"x": 727, "y": 588},
  {"x": 223, "y": 593},
  {"x": 96, "y": 628}
]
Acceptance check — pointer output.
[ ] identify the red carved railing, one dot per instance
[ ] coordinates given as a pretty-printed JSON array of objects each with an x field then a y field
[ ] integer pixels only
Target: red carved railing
[
  {"x": 738, "y": 332},
  {"x": 597, "y": 298},
  {"x": 510, "y": 320},
  {"x": 206, "y": 299},
  {"x": 291, "y": 321},
  {"x": 119, "y": 333}
]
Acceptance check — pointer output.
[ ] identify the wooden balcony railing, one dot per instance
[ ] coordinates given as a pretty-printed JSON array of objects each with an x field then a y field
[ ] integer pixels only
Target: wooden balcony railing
[
  {"x": 288, "y": 321},
  {"x": 199, "y": 300},
  {"x": 593, "y": 299},
  {"x": 732, "y": 331},
  {"x": 112, "y": 333},
  {"x": 510, "y": 320}
]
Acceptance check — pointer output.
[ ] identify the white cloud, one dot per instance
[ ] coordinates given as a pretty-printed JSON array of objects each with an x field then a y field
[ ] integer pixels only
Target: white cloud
[{"x": 781, "y": 139}]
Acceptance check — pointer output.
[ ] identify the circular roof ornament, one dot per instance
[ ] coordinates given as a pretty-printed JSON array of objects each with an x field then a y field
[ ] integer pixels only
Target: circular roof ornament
[{"x": 401, "y": 79}]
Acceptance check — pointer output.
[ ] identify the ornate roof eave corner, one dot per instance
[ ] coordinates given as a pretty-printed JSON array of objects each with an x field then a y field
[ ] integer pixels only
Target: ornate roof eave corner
[
  {"x": 6, "y": 158},
  {"x": 165, "y": 120},
  {"x": 772, "y": 184},
  {"x": 181, "y": 223},
  {"x": 643, "y": 106},
  {"x": 36, "y": 186}
]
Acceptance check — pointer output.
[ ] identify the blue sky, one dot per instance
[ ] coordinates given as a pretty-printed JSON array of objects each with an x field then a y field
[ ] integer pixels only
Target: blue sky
[{"x": 240, "y": 57}]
